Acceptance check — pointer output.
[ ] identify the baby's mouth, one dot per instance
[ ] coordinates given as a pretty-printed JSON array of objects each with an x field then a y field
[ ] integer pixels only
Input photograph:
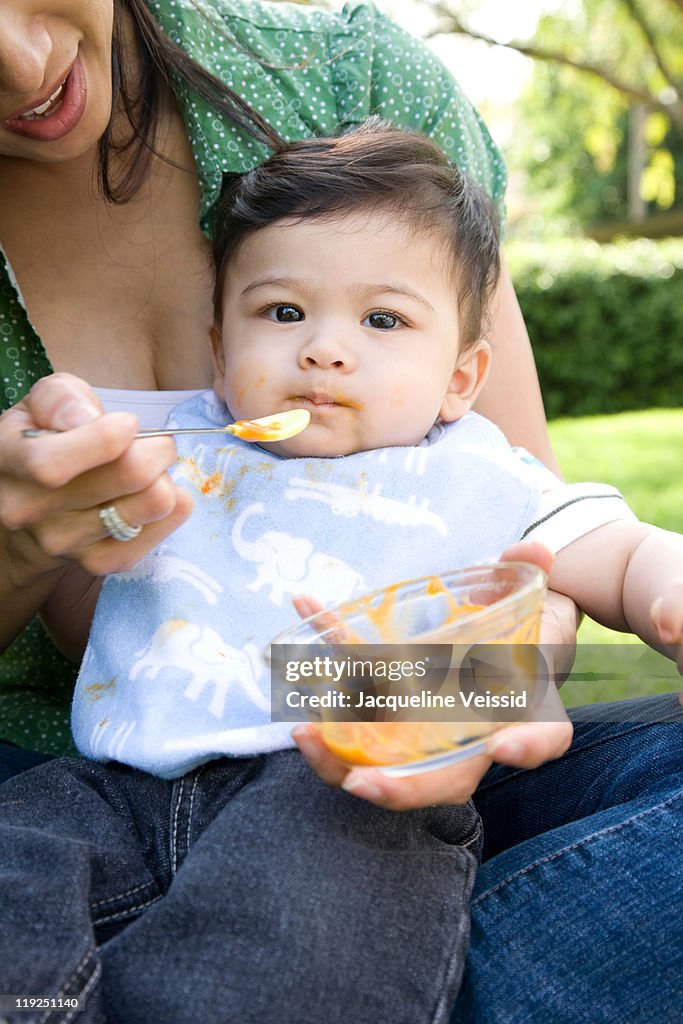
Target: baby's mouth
[
  {"x": 323, "y": 400},
  {"x": 318, "y": 398}
]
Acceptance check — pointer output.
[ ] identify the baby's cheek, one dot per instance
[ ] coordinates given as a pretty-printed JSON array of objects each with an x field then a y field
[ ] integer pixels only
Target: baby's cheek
[
  {"x": 245, "y": 381},
  {"x": 397, "y": 397}
]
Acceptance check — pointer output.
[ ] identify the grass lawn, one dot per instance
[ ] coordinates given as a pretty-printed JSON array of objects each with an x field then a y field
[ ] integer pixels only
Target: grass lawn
[{"x": 641, "y": 453}]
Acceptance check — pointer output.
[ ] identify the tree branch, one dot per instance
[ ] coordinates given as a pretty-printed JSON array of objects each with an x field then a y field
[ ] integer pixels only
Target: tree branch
[
  {"x": 453, "y": 24},
  {"x": 639, "y": 18}
]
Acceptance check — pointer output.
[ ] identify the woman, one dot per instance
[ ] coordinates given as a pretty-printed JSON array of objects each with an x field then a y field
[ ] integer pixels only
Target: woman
[{"x": 112, "y": 146}]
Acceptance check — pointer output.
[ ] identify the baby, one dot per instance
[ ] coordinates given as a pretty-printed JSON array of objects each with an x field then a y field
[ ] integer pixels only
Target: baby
[{"x": 352, "y": 280}]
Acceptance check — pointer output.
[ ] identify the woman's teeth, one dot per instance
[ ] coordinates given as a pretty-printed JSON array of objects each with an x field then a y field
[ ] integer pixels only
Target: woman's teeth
[{"x": 47, "y": 106}]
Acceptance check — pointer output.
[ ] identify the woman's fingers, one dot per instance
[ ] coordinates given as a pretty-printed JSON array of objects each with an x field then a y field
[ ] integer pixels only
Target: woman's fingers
[
  {"x": 108, "y": 555},
  {"x": 54, "y": 486},
  {"x": 546, "y": 735},
  {"x": 61, "y": 472},
  {"x": 64, "y": 520},
  {"x": 530, "y": 744},
  {"x": 323, "y": 762},
  {"x": 141, "y": 464},
  {"x": 61, "y": 401},
  {"x": 559, "y": 621},
  {"x": 523, "y": 746},
  {"x": 73, "y": 530},
  {"x": 452, "y": 785},
  {"x": 529, "y": 551}
]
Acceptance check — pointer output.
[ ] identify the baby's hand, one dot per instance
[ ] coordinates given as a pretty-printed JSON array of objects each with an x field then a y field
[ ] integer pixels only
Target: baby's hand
[{"x": 667, "y": 618}]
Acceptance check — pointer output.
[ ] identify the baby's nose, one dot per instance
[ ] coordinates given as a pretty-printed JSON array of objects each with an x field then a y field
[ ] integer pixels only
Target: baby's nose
[{"x": 327, "y": 353}]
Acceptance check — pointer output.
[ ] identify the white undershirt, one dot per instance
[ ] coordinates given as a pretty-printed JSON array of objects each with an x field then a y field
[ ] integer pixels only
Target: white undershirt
[{"x": 151, "y": 407}]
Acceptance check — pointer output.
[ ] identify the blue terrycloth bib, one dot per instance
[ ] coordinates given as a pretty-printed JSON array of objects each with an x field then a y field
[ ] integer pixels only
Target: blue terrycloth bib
[{"x": 174, "y": 672}]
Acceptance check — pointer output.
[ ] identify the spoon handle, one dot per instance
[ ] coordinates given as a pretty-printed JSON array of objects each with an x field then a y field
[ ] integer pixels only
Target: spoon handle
[
  {"x": 186, "y": 430},
  {"x": 145, "y": 433},
  {"x": 278, "y": 427}
]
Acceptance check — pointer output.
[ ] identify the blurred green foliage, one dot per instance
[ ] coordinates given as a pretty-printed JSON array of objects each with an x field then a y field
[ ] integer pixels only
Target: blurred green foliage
[
  {"x": 573, "y": 150},
  {"x": 572, "y": 142},
  {"x": 606, "y": 322}
]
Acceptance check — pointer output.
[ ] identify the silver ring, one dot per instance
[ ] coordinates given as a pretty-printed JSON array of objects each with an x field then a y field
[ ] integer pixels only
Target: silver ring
[{"x": 116, "y": 526}]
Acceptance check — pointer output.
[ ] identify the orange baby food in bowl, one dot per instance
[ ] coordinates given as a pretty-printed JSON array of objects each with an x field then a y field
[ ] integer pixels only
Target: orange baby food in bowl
[{"x": 414, "y": 642}]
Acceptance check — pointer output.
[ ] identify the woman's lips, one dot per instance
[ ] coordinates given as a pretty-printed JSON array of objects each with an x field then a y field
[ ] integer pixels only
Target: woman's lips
[
  {"x": 66, "y": 104},
  {"x": 41, "y": 108}
]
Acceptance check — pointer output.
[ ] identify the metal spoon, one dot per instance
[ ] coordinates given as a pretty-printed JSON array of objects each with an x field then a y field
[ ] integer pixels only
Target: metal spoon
[{"x": 268, "y": 428}]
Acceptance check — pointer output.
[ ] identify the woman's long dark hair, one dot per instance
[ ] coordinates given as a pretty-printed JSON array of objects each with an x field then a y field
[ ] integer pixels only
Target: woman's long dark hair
[{"x": 160, "y": 58}]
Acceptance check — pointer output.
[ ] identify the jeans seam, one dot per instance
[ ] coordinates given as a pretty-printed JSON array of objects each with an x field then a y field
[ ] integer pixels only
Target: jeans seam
[
  {"x": 473, "y": 839},
  {"x": 441, "y": 1008},
  {"x": 574, "y": 846},
  {"x": 191, "y": 807},
  {"x": 121, "y": 896},
  {"x": 92, "y": 980},
  {"x": 174, "y": 830},
  {"x": 80, "y": 967},
  {"x": 126, "y": 911}
]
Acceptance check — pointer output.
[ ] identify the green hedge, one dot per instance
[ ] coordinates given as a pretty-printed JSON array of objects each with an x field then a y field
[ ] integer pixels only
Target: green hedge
[{"x": 606, "y": 322}]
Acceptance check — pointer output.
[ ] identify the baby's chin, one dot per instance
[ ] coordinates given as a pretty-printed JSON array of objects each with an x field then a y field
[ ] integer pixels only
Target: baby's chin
[
  {"x": 326, "y": 441},
  {"x": 322, "y": 450},
  {"x": 313, "y": 444}
]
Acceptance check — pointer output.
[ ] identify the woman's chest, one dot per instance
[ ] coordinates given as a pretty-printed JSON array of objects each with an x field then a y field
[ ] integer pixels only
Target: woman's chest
[{"x": 120, "y": 295}]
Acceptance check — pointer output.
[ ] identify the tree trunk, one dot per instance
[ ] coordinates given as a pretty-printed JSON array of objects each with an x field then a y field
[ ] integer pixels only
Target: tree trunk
[{"x": 637, "y": 153}]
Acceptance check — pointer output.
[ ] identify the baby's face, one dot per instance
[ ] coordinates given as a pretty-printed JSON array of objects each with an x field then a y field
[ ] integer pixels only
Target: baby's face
[{"x": 352, "y": 318}]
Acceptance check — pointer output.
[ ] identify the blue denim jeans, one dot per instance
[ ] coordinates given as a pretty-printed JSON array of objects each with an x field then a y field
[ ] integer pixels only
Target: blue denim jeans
[
  {"x": 15, "y": 759},
  {"x": 577, "y": 911},
  {"x": 248, "y": 892}
]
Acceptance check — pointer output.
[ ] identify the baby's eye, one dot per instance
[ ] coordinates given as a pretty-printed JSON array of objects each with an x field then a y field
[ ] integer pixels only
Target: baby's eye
[
  {"x": 382, "y": 320},
  {"x": 285, "y": 314}
]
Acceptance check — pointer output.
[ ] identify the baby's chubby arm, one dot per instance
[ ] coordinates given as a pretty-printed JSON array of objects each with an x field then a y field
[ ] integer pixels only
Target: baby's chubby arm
[{"x": 628, "y": 576}]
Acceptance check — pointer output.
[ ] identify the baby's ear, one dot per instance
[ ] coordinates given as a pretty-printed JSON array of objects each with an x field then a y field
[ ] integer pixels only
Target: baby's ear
[
  {"x": 469, "y": 375},
  {"x": 218, "y": 360}
]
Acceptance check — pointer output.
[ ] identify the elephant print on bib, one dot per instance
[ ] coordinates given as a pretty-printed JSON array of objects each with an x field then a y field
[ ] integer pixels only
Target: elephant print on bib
[
  {"x": 210, "y": 662},
  {"x": 290, "y": 565}
]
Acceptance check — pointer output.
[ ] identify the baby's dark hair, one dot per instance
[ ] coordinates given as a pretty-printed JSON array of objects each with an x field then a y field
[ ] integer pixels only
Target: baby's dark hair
[{"x": 370, "y": 168}]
